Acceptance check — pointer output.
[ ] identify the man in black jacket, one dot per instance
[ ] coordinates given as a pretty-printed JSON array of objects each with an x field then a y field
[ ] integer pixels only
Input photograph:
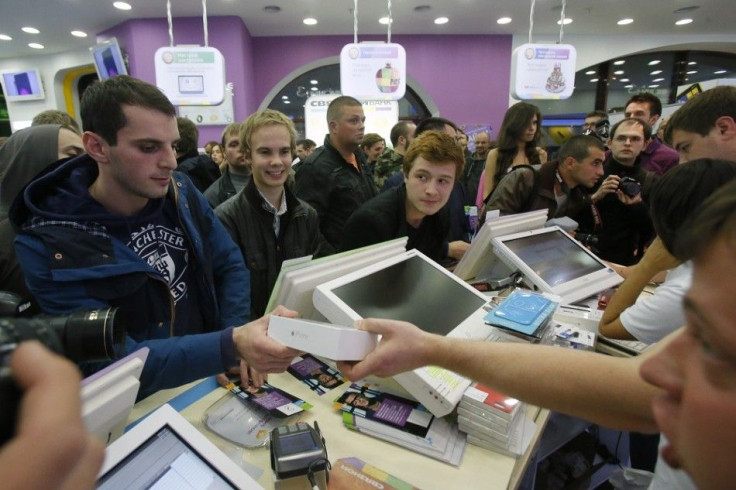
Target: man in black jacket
[
  {"x": 267, "y": 222},
  {"x": 331, "y": 179},
  {"x": 199, "y": 168}
]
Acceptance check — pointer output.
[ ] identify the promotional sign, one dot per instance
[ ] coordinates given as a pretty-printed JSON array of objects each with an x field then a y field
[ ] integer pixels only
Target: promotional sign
[
  {"x": 373, "y": 71},
  {"x": 211, "y": 115},
  {"x": 191, "y": 75},
  {"x": 380, "y": 117},
  {"x": 543, "y": 71}
]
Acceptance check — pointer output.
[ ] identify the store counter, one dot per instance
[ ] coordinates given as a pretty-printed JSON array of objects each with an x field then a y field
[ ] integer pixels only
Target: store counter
[{"x": 480, "y": 468}]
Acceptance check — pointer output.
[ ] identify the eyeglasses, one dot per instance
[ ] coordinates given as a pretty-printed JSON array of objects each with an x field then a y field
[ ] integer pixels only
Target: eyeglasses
[{"x": 622, "y": 138}]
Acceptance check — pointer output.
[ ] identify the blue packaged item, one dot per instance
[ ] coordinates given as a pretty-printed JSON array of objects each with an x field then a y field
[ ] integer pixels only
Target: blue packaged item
[{"x": 523, "y": 312}]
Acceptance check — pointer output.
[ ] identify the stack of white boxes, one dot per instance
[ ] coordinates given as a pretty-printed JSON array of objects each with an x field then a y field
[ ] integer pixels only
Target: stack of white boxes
[{"x": 494, "y": 421}]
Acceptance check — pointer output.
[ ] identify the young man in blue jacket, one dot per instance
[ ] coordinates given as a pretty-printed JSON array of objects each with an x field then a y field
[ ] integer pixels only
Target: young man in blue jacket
[{"x": 118, "y": 227}]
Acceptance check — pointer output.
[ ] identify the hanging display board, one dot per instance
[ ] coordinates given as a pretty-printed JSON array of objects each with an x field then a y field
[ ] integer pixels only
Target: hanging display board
[
  {"x": 191, "y": 75},
  {"x": 373, "y": 71},
  {"x": 543, "y": 71},
  {"x": 380, "y": 116}
]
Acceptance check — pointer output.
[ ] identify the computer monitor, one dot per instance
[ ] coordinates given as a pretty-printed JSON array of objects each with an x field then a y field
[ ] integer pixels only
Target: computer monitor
[
  {"x": 108, "y": 396},
  {"x": 552, "y": 261},
  {"x": 166, "y": 451},
  {"x": 23, "y": 85},
  {"x": 295, "y": 285},
  {"x": 108, "y": 59},
  {"x": 479, "y": 263},
  {"x": 412, "y": 288}
]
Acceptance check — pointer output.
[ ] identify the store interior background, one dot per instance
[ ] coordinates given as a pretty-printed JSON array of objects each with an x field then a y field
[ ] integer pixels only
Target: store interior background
[{"x": 459, "y": 70}]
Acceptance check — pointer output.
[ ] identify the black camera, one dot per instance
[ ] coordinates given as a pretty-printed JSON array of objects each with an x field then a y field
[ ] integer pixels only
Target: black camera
[
  {"x": 630, "y": 187},
  {"x": 587, "y": 239},
  {"x": 92, "y": 335},
  {"x": 600, "y": 131}
]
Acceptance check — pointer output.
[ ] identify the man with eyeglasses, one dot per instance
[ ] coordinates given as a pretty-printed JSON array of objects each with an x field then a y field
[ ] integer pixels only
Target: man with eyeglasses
[
  {"x": 656, "y": 156},
  {"x": 624, "y": 226}
]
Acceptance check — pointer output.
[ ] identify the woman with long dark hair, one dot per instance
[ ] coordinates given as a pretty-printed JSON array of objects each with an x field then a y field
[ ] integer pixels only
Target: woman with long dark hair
[{"x": 517, "y": 144}]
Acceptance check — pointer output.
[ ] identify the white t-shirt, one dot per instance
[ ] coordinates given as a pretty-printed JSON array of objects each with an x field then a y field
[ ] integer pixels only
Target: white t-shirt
[
  {"x": 668, "y": 478},
  {"x": 653, "y": 317}
]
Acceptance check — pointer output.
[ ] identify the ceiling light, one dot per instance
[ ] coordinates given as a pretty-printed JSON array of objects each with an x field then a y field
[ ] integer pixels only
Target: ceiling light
[
  {"x": 441, "y": 20},
  {"x": 122, "y": 6},
  {"x": 566, "y": 20},
  {"x": 654, "y": 62},
  {"x": 619, "y": 62},
  {"x": 285, "y": 97},
  {"x": 310, "y": 21},
  {"x": 624, "y": 22},
  {"x": 79, "y": 34},
  {"x": 5, "y": 37},
  {"x": 384, "y": 21},
  {"x": 692, "y": 72},
  {"x": 656, "y": 72},
  {"x": 719, "y": 72},
  {"x": 30, "y": 30},
  {"x": 593, "y": 80},
  {"x": 692, "y": 62},
  {"x": 272, "y": 9},
  {"x": 313, "y": 82},
  {"x": 623, "y": 80},
  {"x": 315, "y": 88},
  {"x": 504, "y": 20},
  {"x": 618, "y": 72},
  {"x": 36, "y": 46},
  {"x": 590, "y": 72},
  {"x": 654, "y": 85},
  {"x": 287, "y": 102},
  {"x": 683, "y": 22},
  {"x": 658, "y": 80},
  {"x": 628, "y": 86}
]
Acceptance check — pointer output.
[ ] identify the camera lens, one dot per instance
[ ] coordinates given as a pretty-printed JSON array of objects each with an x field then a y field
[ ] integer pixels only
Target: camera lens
[
  {"x": 629, "y": 186},
  {"x": 91, "y": 335}
]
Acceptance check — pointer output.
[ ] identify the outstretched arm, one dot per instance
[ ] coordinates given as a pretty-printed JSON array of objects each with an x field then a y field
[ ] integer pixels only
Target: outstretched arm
[{"x": 603, "y": 389}]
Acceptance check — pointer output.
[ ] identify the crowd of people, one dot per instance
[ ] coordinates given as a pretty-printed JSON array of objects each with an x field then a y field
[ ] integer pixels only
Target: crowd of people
[{"x": 188, "y": 246}]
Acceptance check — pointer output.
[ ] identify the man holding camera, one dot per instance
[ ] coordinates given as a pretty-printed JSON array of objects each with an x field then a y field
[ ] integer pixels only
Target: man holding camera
[{"x": 623, "y": 224}]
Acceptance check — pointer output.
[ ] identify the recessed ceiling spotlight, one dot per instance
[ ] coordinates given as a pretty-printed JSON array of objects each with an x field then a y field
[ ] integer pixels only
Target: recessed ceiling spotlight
[
  {"x": 618, "y": 72},
  {"x": 658, "y": 80},
  {"x": 504, "y": 20},
  {"x": 122, "y": 6},
  {"x": 272, "y": 9},
  {"x": 654, "y": 85},
  {"x": 315, "y": 88},
  {"x": 656, "y": 72},
  {"x": 692, "y": 62},
  {"x": 5, "y": 37},
  {"x": 566, "y": 20},
  {"x": 683, "y": 22},
  {"x": 422, "y": 8},
  {"x": 619, "y": 62},
  {"x": 30, "y": 30},
  {"x": 285, "y": 97},
  {"x": 36, "y": 46},
  {"x": 628, "y": 86},
  {"x": 654, "y": 62},
  {"x": 692, "y": 72},
  {"x": 310, "y": 21},
  {"x": 719, "y": 72},
  {"x": 623, "y": 80},
  {"x": 314, "y": 82},
  {"x": 441, "y": 20},
  {"x": 590, "y": 72},
  {"x": 287, "y": 102},
  {"x": 384, "y": 21},
  {"x": 593, "y": 80},
  {"x": 625, "y": 22},
  {"x": 79, "y": 34}
]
